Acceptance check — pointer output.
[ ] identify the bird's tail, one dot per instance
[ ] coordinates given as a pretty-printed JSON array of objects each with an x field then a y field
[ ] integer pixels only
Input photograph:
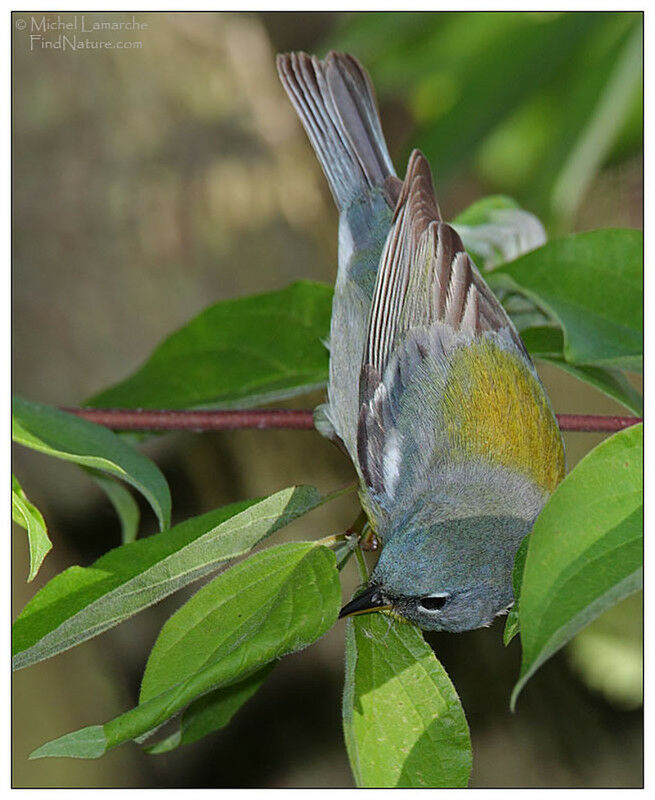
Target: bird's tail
[{"x": 335, "y": 101}]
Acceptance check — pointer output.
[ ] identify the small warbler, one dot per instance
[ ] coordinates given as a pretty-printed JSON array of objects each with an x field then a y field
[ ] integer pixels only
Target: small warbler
[{"x": 431, "y": 390}]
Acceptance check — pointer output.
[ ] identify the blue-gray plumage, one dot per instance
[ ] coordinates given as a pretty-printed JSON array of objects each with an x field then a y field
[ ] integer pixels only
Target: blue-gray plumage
[{"x": 431, "y": 390}]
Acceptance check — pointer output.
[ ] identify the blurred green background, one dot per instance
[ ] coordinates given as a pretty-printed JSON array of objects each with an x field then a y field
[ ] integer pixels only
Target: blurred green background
[{"x": 150, "y": 182}]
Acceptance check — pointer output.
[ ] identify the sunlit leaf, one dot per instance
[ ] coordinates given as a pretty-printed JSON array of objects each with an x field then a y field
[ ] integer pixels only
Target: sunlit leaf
[
  {"x": 28, "y": 516},
  {"x": 403, "y": 721},
  {"x": 276, "y": 602},
  {"x": 585, "y": 550},
  {"x": 83, "y": 602},
  {"x": 71, "y": 438}
]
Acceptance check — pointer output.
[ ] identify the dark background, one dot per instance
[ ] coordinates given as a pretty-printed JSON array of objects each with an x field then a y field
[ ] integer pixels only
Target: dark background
[{"x": 151, "y": 182}]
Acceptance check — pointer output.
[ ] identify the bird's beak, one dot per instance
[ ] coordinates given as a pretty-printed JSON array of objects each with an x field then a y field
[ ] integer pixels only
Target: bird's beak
[{"x": 369, "y": 600}]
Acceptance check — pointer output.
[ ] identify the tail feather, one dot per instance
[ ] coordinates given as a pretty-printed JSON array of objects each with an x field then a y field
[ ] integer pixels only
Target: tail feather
[{"x": 336, "y": 104}]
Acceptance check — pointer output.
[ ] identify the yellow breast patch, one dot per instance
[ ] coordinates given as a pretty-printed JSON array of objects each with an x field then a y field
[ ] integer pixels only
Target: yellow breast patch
[{"x": 495, "y": 409}]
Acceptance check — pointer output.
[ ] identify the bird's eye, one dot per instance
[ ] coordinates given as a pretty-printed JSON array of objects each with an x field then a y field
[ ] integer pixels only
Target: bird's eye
[{"x": 434, "y": 602}]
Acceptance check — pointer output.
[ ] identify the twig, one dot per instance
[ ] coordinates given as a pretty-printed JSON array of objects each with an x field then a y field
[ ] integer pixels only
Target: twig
[
  {"x": 127, "y": 419},
  {"x": 595, "y": 423}
]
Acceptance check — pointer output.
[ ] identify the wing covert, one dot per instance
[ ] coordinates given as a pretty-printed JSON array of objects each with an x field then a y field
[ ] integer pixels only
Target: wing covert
[{"x": 428, "y": 294}]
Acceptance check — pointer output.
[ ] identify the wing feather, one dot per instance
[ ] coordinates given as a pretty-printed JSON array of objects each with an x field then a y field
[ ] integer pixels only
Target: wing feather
[{"x": 427, "y": 292}]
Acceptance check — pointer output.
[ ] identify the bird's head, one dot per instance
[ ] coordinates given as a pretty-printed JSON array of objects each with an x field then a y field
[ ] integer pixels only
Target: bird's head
[{"x": 453, "y": 575}]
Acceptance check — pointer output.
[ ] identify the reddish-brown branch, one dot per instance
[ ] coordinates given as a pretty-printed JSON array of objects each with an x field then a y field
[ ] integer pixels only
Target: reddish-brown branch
[
  {"x": 595, "y": 423},
  {"x": 126, "y": 419}
]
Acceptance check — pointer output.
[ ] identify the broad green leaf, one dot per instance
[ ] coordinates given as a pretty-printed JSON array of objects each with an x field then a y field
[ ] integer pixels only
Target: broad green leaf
[
  {"x": 83, "y": 602},
  {"x": 403, "y": 722},
  {"x": 585, "y": 550},
  {"x": 211, "y": 712},
  {"x": 591, "y": 284},
  {"x": 546, "y": 343},
  {"x": 28, "y": 516},
  {"x": 276, "y": 602},
  {"x": 248, "y": 607},
  {"x": 495, "y": 230},
  {"x": 71, "y": 438},
  {"x": 236, "y": 353},
  {"x": 126, "y": 506}
]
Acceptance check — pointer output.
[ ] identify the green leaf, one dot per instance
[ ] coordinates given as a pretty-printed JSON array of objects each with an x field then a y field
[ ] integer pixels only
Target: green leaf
[
  {"x": 29, "y": 517},
  {"x": 276, "y": 602},
  {"x": 279, "y": 585},
  {"x": 546, "y": 343},
  {"x": 512, "y": 621},
  {"x": 71, "y": 438},
  {"x": 86, "y": 743},
  {"x": 125, "y": 505},
  {"x": 236, "y": 353},
  {"x": 211, "y": 712},
  {"x": 83, "y": 602},
  {"x": 495, "y": 230},
  {"x": 403, "y": 721},
  {"x": 585, "y": 551},
  {"x": 591, "y": 284}
]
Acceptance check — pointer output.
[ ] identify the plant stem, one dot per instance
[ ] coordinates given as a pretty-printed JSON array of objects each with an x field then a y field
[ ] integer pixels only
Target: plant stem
[
  {"x": 361, "y": 564},
  {"x": 127, "y": 419}
]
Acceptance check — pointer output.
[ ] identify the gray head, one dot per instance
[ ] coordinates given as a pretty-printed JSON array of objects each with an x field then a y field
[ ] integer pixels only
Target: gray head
[{"x": 453, "y": 575}]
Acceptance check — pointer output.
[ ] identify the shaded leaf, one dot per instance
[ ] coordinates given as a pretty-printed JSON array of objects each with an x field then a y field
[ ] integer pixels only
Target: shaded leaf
[
  {"x": 512, "y": 621},
  {"x": 83, "y": 602},
  {"x": 591, "y": 284},
  {"x": 28, "y": 516},
  {"x": 236, "y": 353},
  {"x": 546, "y": 343},
  {"x": 585, "y": 550},
  {"x": 71, "y": 438},
  {"x": 403, "y": 721},
  {"x": 211, "y": 712},
  {"x": 125, "y": 505},
  {"x": 274, "y": 603}
]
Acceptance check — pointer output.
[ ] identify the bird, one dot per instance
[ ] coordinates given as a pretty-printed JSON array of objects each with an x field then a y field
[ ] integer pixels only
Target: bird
[{"x": 431, "y": 391}]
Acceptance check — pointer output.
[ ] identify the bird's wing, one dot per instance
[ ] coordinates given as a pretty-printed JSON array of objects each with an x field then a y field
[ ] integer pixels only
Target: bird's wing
[
  {"x": 428, "y": 299},
  {"x": 425, "y": 275}
]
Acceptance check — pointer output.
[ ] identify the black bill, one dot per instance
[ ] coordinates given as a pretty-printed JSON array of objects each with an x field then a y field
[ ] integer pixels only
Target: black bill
[{"x": 369, "y": 600}]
